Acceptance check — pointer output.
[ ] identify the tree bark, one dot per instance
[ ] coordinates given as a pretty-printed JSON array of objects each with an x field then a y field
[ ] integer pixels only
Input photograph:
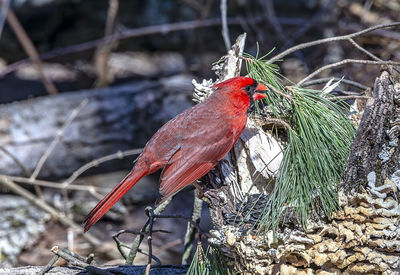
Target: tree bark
[
  {"x": 375, "y": 150},
  {"x": 115, "y": 118},
  {"x": 363, "y": 237}
]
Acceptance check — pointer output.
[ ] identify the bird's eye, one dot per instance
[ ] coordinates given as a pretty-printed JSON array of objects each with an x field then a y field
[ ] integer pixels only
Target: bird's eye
[{"x": 248, "y": 88}]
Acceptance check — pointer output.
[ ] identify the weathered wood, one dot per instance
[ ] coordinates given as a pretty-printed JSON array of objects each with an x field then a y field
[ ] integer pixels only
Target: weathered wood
[
  {"x": 375, "y": 149},
  {"x": 254, "y": 159},
  {"x": 131, "y": 270},
  {"x": 363, "y": 237},
  {"x": 115, "y": 118}
]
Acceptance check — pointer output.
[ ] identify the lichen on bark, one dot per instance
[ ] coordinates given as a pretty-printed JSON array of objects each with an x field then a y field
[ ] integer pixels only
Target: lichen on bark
[{"x": 362, "y": 237}]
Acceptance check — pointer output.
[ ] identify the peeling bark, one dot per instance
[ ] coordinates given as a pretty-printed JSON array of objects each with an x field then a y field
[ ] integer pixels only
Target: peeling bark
[
  {"x": 375, "y": 148},
  {"x": 363, "y": 237}
]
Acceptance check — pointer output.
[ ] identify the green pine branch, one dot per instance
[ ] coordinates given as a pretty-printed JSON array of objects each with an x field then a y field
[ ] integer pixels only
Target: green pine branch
[
  {"x": 316, "y": 148},
  {"x": 209, "y": 262}
]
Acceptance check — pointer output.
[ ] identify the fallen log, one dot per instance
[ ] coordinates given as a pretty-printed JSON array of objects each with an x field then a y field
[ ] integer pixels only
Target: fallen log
[
  {"x": 132, "y": 270},
  {"x": 115, "y": 118}
]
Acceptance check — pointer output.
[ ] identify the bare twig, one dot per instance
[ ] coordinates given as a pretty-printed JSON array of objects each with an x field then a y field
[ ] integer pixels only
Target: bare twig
[
  {"x": 342, "y": 80},
  {"x": 72, "y": 258},
  {"x": 346, "y": 61},
  {"x": 111, "y": 16},
  {"x": 354, "y": 43},
  {"x": 374, "y": 57},
  {"x": 50, "y": 264},
  {"x": 49, "y": 209},
  {"x": 345, "y": 97},
  {"x": 150, "y": 214},
  {"x": 92, "y": 189},
  {"x": 121, "y": 245},
  {"x": 191, "y": 230},
  {"x": 331, "y": 39},
  {"x": 277, "y": 121},
  {"x": 97, "y": 162},
  {"x": 5, "y": 5},
  {"x": 356, "y": 27},
  {"x": 149, "y": 30},
  {"x": 103, "y": 51},
  {"x": 56, "y": 139},
  {"x": 67, "y": 184},
  {"x": 225, "y": 30},
  {"x": 17, "y": 161},
  {"x": 30, "y": 49},
  {"x": 138, "y": 240}
]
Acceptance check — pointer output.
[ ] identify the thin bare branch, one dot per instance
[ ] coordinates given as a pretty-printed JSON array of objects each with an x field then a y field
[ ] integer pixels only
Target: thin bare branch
[
  {"x": 103, "y": 51},
  {"x": 355, "y": 44},
  {"x": 15, "y": 188},
  {"x": 150, "y": 214},
  {"x": 276, "y": 121},
  {"x": 331, "y": 39},
  {"x": 149, "y": 30},
  {"x": 357, "y": 27},
  {"x": 225, "y": 30},
  {"x": 50, "y": 264},
  {"x": 17, "y": 161},
  {"x": 345, "y": 97},
  {"x": 138, "y": 240},
  {"x": 74, "y": 259},
  {"x": 343, "y": 62},
  {"x": 342, "y": 80},
  {"x": 374, "y": 57},
  {"x": 95, "y": 191},
  {"x": 5, "y": 5},
  {"x": 191, "y": 229},
  {"x": 56, "y": 139},
  {"x": 97, "y": 162},
  {"x": 30, "y": 49}
]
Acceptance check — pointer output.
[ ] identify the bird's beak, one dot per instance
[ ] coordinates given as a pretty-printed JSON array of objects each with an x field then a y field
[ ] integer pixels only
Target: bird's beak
[{"x": 260, "y": 92}]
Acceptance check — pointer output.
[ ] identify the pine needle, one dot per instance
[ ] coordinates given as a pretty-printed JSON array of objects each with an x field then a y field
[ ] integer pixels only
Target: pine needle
[
  {"x": 210, "y": 262},
  {"x": 316, "y": 151}
]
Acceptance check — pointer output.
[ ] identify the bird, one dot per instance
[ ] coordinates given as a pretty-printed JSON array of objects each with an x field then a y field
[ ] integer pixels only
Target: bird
[{"x": 188, "y": 146}]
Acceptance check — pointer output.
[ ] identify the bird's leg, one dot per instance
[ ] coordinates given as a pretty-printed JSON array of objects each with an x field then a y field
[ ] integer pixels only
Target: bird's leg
[
  {"x": 202, "y": 190},
  {"x": 211, "y": 194}
]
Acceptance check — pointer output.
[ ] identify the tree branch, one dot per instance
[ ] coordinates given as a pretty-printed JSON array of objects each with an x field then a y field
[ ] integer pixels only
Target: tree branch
[
  {"x": 5, "y": 5},
  {"x": 30, "y": 49},
  {"x": 343, "y": 62},
  {"x": 225, "y": 30},
  {"x": 326, "y": 79},
  {"x": 56, "y": 139},
  {"x": 331, "y": 39}
]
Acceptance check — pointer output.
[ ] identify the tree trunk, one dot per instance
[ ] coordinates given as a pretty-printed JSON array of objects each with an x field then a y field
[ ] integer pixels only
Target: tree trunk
[
  {"x": 115, "y": 118},
  {"x": 363, "y": 237}
]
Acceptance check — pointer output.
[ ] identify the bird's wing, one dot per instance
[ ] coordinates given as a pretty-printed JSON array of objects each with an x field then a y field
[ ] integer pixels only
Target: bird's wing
[{"x": 191, "y": 163}]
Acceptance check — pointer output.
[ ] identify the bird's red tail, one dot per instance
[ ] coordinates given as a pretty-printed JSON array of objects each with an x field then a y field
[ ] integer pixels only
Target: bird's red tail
[{"x": 115, "y": 195}]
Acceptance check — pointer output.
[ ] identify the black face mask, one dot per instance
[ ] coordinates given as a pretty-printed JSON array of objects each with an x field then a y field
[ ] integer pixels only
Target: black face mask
[{"x": 251, "y": 89}]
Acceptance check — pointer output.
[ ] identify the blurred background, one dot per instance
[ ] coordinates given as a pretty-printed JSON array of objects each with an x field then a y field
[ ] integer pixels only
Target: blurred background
[{"x": 83, "y": 80}]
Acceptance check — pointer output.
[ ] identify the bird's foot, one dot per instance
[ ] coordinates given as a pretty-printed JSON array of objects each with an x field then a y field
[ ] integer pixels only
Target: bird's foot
[{"x": 213, "y": 196}]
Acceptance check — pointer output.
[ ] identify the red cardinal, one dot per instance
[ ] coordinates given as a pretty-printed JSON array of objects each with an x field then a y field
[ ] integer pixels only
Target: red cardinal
[{"x": 188, "y": 146}]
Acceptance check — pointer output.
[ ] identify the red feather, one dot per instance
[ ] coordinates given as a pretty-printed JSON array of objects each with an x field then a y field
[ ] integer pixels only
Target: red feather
[{"x": 190, "y": 145}]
